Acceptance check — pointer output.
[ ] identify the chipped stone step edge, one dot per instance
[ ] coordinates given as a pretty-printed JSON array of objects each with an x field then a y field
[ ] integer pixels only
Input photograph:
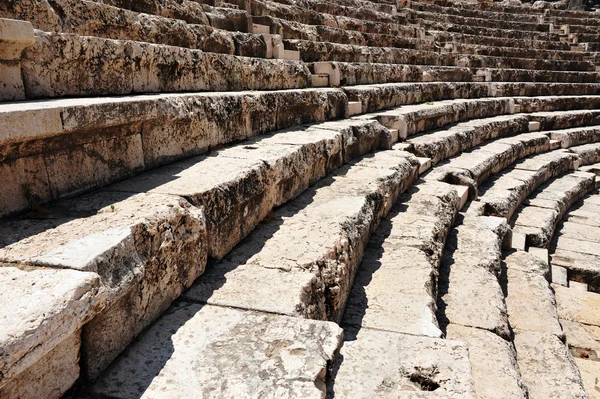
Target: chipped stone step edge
[
  {"x": 107, "y": 307},
  {"x": 15, "y": 36}
]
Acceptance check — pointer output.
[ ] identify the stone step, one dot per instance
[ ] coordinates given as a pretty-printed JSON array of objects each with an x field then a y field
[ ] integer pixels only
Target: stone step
[
  {"x": 542, "y": 211},
  {"x": 42, "y": 314},
  {"x": 501, "y": 195},
  {"x": 486, "y": 30},
  {"x": 313, "y": 51},
  {"x": 566, "y": 119},
  {"x": 446, "y": 142},
  {"x": 456, "y": 37},
  {"x": 474, "y": 167},
  {"x": 530, "y": 301},
  {"x": 244, "y": 348},
  {"x": 493, "y": 362},
  {"x": 406, "y": 247},
  {"x": 332, "y": 222},
  {"x": 474, "y": 13},
  {"x": 130, "y": 134},
  {"x": 546, "y": 366},
  {"x": 412, "y": 119},
  {"x": 470, "y": 269},
  {"x": 514, "y": 26},
  {"x": 380, "y": 96},
  {"x": 575, "y": 136},
  {"x": 406, "y": 366},
  {"x": 49, "y": 65},
  {"x": 115, "y": 244}
]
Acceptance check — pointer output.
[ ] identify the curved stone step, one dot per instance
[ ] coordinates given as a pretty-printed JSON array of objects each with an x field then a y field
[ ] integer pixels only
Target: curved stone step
[
  {"x": 113, "y": 138},
  {"x": 225, "y": 353},
  {"x": 406, "y": 247},
  {"x": 332, "y": 223},
  {"x": 501, "y": 195},
  {"x": 537, "y": 218},
  {"x": 446, "y": 142}
]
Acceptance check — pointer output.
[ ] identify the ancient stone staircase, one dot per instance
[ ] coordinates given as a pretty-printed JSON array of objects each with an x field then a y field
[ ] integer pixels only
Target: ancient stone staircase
[{"x": 302, "y": 199}]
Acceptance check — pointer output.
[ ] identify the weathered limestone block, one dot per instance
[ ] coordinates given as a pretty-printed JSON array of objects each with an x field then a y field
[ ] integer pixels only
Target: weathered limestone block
[
  {"x": 41, "y": 314},
  {"x": 588, "y": 153},
  {"x": 70, "y": 65},
  {"x": 474, "y": 167},
  {"x": 113, "y": 138},
  {"x": 576, "y": 305},
  {"x": 333, "y": 221},
  {"x": 576, "y": 136},
  {"x": 15, "y": 36},
  {"x": 502, "y": 195},
  {"x": 513, "y": 89},
  {"x": 546, "y": 207},
  {"x": 566, "y": 119},
  {"x": 51, "y": 376},
  {"x": 582, "y": 338},
  {"x": 239, "y": 186},
  {"x": 530, "y": 302},
  {"x": 590, "y": 370},
  {"x": 237, "y": 354},
  {"x": 558, "y": 103},
  {"x": 406, "y": 247},
  {"x": 547, "y": 368},
  {"x": 146, "y": 248},
  {"x": 405, "y": 367},
  {"x": 493, "y": 363},
  {"x": 469, "y": 291},
  {"x": 445, "y": 143}
]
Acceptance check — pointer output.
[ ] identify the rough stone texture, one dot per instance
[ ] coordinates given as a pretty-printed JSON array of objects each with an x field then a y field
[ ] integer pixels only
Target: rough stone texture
[
  {"x": 493, "y": 363},
  {"x": 576, "y": 136},
  {"x": 146, "y": 248},
  {"x": 50, "y": 376},
  {"x": 474, "y": 167},
  {"x": 61, "y": 65},
  {"x": 538, "y": 223},
  {"x": 112, "y": 138},
  {"x": 576, "y": 305},
  {"x": 503, "y": 194},
  {"x": 333, "y": 221},
  {"x": 224, "y": 353},
  {"x": 590, "y": 372},
  {"x": 469, "y": 292},
  {"x": 406, "y": 248},
  {"x": 530, "y": 302},
  {"x": 442, "y": 144},
  {"x": 40, "y": 310},
  {"x": 547, "y": 368},
  {"x": 391, "y": 365},
  {"x": 582, "y": 338}
]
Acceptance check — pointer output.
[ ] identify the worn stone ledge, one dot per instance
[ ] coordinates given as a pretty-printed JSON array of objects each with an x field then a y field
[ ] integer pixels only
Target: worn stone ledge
[
  {"x": 61, "y": 65},
  {"x": 543, "y": 210},
  {"x": 333, "y": 221},
  {"x": 503, "y": 194},
  {"x": 145, "y": 249},
  {"x": 406, "y": 247},
  {"x": 238, "y": 354},
  {"x": 15, "y": 36},
  {"x": 116, "y": 137}
]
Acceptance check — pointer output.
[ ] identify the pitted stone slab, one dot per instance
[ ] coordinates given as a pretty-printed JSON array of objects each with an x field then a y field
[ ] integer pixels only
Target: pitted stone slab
[
  {"x": 493, "y": 363},
  {"x": 147, "y": 248},
  {"x": 469, "y": 292},
  {"x": 530, "y": 302},
  {"x": 590, "y": 370},
  {"x": 39, "y": 309},
  {"x": 224, "y": 353},
  {"x": 403, "y": 362},
  {"x": 376, "y": 301},
  {"x": 576, "y": 305},
  {"x": 582, "y": 336},
  {"x": 442, "y": 144},
  {"x": 331, "y": 223},
  {"x": 547, "y": 368},
  {"x": 49, "y": 377},
  {"x": 580, "y": 232}
]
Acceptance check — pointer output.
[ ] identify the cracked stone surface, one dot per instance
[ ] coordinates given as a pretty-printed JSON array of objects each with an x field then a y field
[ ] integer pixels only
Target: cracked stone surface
[
  {"x": 493, "y": 362},
  {"x": 222, "y": 352},
  {"x": 391, "y": 365}
]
